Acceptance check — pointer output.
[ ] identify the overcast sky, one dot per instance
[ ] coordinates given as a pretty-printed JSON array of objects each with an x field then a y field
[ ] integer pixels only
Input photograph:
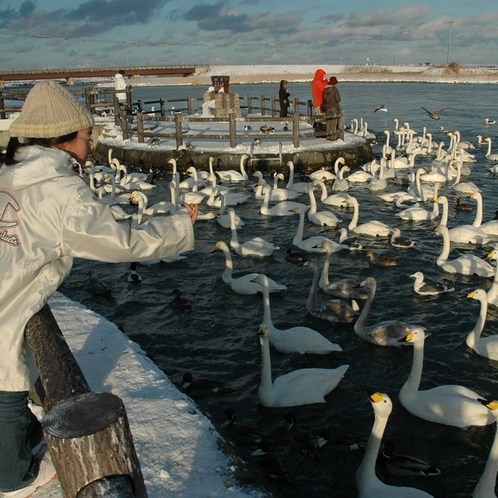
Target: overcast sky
[{"x": 38, "y": 34}]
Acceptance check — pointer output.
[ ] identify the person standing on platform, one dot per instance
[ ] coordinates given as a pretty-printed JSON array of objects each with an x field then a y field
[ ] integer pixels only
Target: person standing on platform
[
  {"x": 283, "y": 98},
  {"x": 333, "y": 111},
  {"x": 120, "y": 84},
  {"x": 317, "y": 86}
]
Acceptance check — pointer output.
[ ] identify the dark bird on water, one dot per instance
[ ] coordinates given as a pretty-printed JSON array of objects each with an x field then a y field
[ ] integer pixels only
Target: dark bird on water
[
  {"x": 382, "y": 108},
  {"x": 134, "y": 277},
  {"x": 180, "y": 303},
  {"x": 98, "y": 286},
  {"x": 201, "y": 387},
  {"x": 241, "y": 434},
  {"x": 436, "y": 114}
]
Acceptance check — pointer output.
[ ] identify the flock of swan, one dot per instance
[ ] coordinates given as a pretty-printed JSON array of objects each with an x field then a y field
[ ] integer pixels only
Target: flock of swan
[{"x": 395, "y": 179}]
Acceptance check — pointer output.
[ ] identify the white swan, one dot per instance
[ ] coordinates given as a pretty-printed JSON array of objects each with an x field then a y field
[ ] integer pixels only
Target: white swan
[
  {"x": 492, "y": 294},
  {"x": 229, "y": 199},
  {"x": 378, "y": 182},
  {"x": 483, "y": 346},
  {"x": 341, "y": 184},
  {"x": 301, "y": 187},
  {"x": 244, "y": 284},
  {"x": 490, "y": 227},
  {"x": 489, "y": 155},
  {"x": 161, "y": 207},
  {"x": 333, "y": 199},
  {"x": 276, "y": 194},
  {"x": 232, "y": 175},
  {"x": 297, "y": 339},
  {"x": 283, "y": 208},
  {"x": 453, "y": 405},
  {"x": 322, "y": 174},
  {"x": 416, "y": 213},
  {"x": 334, "y": 310},
  {"x": 467, "y": 264},
  {"x": 359, "y": 177},
  {"x": 385, "y": 333},
  {"x": 428, "y": 288},
  {"x": 223, "y": 219},
  {"x": 254, "y": 247},
  {"x": 462, "y": 234},
  {"x": 373, "y": 228},
  {"x": 300, "y": 387},
  {"x": 485, "y": 487},
  {"x": 367, "y": 482},
  {"x": 131, "y": 181},
  {"x": 193, "y": 182},
  {"x": 322, "y": 218},
  {"x": 463, "y": 188},
  {"x": 315, "y": 243}
]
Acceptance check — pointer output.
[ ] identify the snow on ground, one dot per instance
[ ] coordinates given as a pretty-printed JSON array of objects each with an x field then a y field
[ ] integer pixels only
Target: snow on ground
[{"x": 175, "y": 443}]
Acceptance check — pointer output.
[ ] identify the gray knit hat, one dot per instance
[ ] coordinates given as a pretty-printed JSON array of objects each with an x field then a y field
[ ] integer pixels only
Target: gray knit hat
[{"x": 50, "y": 111}]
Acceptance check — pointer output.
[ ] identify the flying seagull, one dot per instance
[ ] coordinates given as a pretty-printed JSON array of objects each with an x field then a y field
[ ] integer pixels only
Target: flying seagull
[
  {"x": 435, "y": 115},
  {"x": 381, "y": 108}
]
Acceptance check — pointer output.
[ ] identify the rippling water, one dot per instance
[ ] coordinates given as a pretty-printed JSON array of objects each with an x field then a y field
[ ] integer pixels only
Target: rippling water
[{"x": 218, "y": 338}]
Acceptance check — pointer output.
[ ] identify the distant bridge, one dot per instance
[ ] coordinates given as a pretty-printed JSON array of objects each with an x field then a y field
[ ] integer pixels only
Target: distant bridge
[{"x": 70, "y": 75}]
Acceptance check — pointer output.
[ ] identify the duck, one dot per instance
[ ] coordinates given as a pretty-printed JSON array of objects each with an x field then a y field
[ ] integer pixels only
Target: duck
[
  {"x": 345, "y": 288},
  {"x": 240, "y": 434},
  {"x": 201, "y": 387},
  {"x": 295, "y": 257},
  {"x": 315, "y": 243},
  {"x": 322, "y": 218},
  {"x": 385, "y": 333},
  {"x": 283, "y": 208},
  {"x": 466, "y": 264},
  {"x": 233, "y": 175},
  {"x": 299, "y": 387},
  {"x": 381, "y": 262},
  {"x": 270, "y": 466},
  {"x": 483, "y": 346},
  {"x": 180, "y": 303},
  {"x": 460, "y": 206},
  {"x": 298, "y": 339},
  {"x": 397, "y": 240},
  {"x": 452, "y": 405},
  {"x": 485, "y": 487},
  {"x": 98, "y": 286},
  {"x": 425, "y": 288},
  {"x": 256, "y": 246},
  {"x": 245, "y": 284},
  {"x": 333, "y": 311},
  {"x": 134, "y": 277},
  {"x": 403, "y": 465},
  {"x": 367, "y": 482},
  {"x": 299, "y": 439},
  {"x": 372, "y": 228}
]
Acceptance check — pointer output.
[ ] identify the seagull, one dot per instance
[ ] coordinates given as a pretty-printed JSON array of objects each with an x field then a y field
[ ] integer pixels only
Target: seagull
[
  {"x": 435, "y": 115},
  {"x": 382, "y": 108},
  {"x": 428, "y": 288},
  {"x": 397, "y": 240},
  {"x": 490, "y": 121}
]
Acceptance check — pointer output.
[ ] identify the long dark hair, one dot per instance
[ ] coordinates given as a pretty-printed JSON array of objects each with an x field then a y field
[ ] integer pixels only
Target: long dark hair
[{"x": 15, "y": 145}]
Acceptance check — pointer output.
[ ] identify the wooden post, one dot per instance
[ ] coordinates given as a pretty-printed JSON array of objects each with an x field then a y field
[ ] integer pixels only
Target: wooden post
[
  {"x": 295, "y": 125},
  {"x": 178, "y": 129},
  {"x": 3, "y": 114},
  {"x": 309, "y": 110},
  {"x": 273, "y": 101},
  {"x": 140, "y": 106},
  {"x": 163, "y": 108},
  {"x": 129, "y": 98},
  {"x": 124, "y": 125},
  {"x": 232, "y": 129},
  {"x": 263, "y": 110},
  {"x": 249, "y": 104},
  {"x": 87, "y": 433},
  {"x": 189, "y": 105},
  {"x": 140, "y": 127}
]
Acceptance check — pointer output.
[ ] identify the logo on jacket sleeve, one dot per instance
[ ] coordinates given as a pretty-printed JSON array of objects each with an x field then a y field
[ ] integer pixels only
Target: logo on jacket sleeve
[{"x": 8, "y": 203}]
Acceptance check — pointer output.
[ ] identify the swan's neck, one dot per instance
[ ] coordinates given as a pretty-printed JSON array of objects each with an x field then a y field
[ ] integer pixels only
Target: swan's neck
[
  {"x": 435, "y": 208},
  {"x": 324, "y": 189},
  {"x": 475, "y": 333},
  {"x": 366, "y": 471},
  {"x": 265, "y": 384},
  {"x": 362, "y": 319},
  {"x": 311, "y": 193},
  {"x": 486, "y": 485},
  {"x": 266, "y": 304},
  {"x": 412, "y": 384},
  {"x": 291, "y": 174},
  {"x": 324, "y": 277},
  {"x": 266, "y": 199},
  {"x": 356, "y": 214},
  {"x": 479, "y": 210},
  {"x": 490, "y": 145},
  {"x": 227, "y": 274},
  {"x": 310, "y": 302},
  {"x": 443, "y": 257},
  {"x": 298, "y": 238},
  {"x": 444, "y": 216}
]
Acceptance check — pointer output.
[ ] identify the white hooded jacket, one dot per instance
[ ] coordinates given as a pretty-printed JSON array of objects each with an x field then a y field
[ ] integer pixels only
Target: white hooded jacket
[{"x": 49, "y": 216}]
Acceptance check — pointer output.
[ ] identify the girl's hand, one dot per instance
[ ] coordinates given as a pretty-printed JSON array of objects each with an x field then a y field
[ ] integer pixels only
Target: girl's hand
[{"x": 192, "y": 210}]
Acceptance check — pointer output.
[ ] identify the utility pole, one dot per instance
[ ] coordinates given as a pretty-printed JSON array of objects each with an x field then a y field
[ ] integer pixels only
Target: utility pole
[{"x": 449, "y": 41}]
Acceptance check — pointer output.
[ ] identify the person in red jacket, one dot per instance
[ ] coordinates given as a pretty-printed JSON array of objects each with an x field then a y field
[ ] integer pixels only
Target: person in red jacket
[{"x": 317, "y": 86}]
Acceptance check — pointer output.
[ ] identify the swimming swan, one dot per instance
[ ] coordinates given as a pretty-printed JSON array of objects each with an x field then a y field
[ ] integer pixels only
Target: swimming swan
[
  {"x": 244, "y": 284},
  {"x": 385, "y": 333},
  {"x": 297, "y": 339},
  {"x": 367, "y": 482},
  {"x": 467, "y": 264},
  {"x": 300, "y": 387},
  {"x": 373, "y": 228},
  {"x": 452, "y": 405},
  {"x": 283, "y": 208},
  {"x": 233, "y": 175},
  {"x": 483, "y": 346},
  {"x": 322, "y": 218}
]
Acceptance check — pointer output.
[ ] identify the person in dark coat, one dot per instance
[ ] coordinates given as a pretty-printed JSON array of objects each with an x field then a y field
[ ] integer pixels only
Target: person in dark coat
[
  {"x": 283, "y": 98},
  {"x": 331, "y": 102}
]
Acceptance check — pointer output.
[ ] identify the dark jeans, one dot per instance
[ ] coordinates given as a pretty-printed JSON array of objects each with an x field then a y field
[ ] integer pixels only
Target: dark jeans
[{"x": 19, "y": 431}]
